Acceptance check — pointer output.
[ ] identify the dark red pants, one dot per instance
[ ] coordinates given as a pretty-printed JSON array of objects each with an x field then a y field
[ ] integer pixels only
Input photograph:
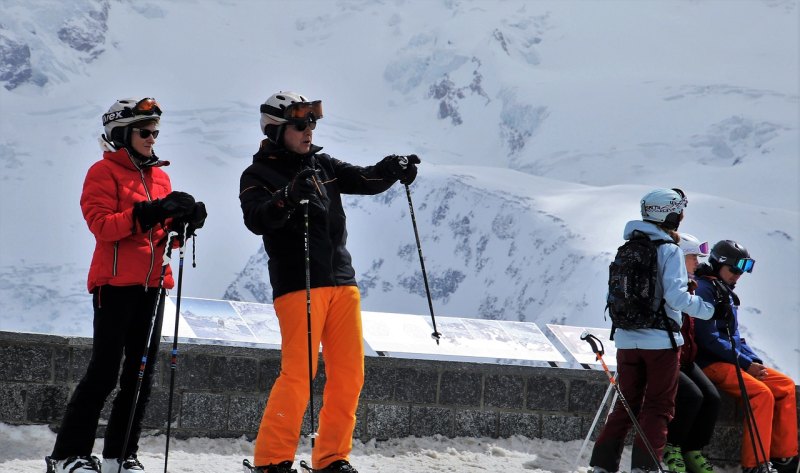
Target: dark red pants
[{"x": 648, "y": 380}]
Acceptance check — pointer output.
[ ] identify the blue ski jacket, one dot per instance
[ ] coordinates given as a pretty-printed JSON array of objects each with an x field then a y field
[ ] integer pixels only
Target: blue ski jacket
[
  {"x": 713, "y": 344},
  {"x": 672, "y": 286}
]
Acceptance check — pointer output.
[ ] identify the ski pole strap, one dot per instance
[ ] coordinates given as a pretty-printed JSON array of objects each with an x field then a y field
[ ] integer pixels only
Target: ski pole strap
[{"x": 594, "y": 341}]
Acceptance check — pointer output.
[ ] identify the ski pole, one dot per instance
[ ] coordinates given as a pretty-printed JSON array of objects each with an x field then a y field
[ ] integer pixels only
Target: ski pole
[
  {"x": 593, "y": 341},
  {"x": 173, "y": 365},
  {"x": 594, "y": 423},
  {"x": 307, "y": 254},
  {"x": 158, "y": 311},
  {"x": 435, "y": 335},
  {"x": 752, "y": 427}
]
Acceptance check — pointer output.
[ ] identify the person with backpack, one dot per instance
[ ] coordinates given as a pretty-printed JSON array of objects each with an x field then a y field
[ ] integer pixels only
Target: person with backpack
[
  {"x": 697, "y": 401},
  {"x": 130, "y": 208},
  {"x": 646, "y": 331},
  {"x": 771, "y": 394},
  {"x": 291, "y": 195}
]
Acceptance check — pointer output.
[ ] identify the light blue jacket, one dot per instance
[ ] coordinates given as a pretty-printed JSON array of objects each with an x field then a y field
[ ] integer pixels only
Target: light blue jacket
[{"x": 672, "y": 286}]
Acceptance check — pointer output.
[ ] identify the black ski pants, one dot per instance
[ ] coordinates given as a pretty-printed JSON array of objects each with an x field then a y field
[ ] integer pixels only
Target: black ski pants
[
  {"x": 696, "y": 409},
  {"x": 122, "y": 317}
]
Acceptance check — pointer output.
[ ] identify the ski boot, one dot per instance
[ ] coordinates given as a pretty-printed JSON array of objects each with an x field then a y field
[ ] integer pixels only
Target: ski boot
[
  {"x": 282, "y": 467},
  {"x": 673, "y": 458},
  {"x": 80, "y": 464},
  {"x": 696, "y": 462},
  {"x": 129, "y": 465},
  {"x": 339, "y": 466}
]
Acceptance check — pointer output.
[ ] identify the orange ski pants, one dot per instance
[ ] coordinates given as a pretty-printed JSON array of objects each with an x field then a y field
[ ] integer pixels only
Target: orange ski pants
[
  {"x": 336, "y": 322},
  {"x": 772, "y": 401}
]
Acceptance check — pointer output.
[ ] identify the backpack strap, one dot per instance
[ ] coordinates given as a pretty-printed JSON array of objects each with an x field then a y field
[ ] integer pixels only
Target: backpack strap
[{"x": 662, "y": 311}]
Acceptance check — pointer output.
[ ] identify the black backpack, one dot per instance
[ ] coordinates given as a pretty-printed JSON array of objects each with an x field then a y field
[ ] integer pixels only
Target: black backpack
[{"x": 632, "y": 280}]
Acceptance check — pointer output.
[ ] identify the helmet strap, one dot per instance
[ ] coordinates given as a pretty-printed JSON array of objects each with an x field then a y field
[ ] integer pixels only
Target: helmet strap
[{"x": 275, "y": 133}]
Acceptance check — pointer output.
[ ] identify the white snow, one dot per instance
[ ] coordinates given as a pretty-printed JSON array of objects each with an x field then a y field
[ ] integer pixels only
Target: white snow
[{"x": 22, "y": 450}]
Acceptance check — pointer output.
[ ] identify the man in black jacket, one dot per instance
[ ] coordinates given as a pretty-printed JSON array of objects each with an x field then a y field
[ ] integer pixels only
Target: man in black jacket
[{"x": 289, "y": 173}]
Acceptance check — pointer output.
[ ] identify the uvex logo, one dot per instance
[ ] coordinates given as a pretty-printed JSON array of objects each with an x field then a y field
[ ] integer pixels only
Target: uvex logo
[{"x": 112, "y": 116}]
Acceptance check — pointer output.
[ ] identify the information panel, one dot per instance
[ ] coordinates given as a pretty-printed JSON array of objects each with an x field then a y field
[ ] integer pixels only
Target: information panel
[
  {"x": 386, "y": 334},
  {"x": 493, "y": 341}
]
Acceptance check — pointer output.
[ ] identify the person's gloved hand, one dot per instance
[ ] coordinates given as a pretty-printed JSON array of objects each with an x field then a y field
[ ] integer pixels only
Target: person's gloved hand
[
  {"x": 175, "y": 204},
  {"x": 692, "y": 286},
  {"x": 723, "y": 312},
  {"x": 193, "y": 220},
  {"x": 402, "y": 168},
  {"x": 301, "y": 187}
]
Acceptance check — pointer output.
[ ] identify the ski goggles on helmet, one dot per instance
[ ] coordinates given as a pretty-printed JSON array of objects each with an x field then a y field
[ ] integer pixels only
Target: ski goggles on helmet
[
  {"x": 146, "y": 107},
  {"x": 744, "y": 265},
  {"x": 703, "y": 248},
  {"x": 298, "y": 111}
]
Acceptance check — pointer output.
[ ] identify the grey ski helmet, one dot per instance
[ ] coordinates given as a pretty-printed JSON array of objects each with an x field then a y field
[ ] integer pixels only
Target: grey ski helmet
[
  {"x": 125, "y": 112},
  {"x": 664, "y": 207}
]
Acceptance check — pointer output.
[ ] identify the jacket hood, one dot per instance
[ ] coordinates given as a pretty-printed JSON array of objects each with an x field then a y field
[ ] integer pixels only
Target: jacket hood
[{"x": 649, "y": 229}]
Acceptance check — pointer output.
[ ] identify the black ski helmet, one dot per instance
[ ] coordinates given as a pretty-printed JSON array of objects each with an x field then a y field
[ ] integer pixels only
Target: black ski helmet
[{"x": 730, "y": 253}]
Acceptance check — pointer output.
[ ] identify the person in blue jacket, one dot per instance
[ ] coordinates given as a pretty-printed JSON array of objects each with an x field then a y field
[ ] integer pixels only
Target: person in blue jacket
[
  {"x": 647, "y": 360},
  {"x": 771, "y": 394}
]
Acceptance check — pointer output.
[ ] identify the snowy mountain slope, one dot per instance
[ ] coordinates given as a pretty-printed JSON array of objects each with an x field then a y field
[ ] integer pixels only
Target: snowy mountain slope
[
  {"x": 500, "y": 244},
  {"x": 540, "y": 125}
]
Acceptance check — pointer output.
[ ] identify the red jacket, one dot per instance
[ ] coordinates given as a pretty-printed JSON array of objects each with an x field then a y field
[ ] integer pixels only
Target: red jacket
[
  {"x": 124, "y": 255},
  {"x": 689, "y": 348}
]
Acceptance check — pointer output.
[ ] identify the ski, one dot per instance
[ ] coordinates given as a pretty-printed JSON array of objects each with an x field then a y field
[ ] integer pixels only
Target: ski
[{"x": 51, "y": 464}]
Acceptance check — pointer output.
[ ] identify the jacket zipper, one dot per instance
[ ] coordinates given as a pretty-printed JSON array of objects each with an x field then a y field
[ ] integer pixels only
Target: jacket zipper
[
  {"x": 116, "y": 256},
  {"x": 150, "y": 232}
]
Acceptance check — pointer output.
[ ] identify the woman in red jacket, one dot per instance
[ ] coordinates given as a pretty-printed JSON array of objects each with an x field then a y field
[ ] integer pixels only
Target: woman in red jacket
[{"x": 129, "y": 206}]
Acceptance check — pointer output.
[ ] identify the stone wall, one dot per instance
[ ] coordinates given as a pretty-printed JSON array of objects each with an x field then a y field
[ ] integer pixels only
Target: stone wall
[{"x": 220, "y": 391}]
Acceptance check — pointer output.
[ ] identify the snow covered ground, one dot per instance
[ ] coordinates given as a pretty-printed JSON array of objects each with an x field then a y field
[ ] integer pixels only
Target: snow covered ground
[{"x": 22, "y": 449}]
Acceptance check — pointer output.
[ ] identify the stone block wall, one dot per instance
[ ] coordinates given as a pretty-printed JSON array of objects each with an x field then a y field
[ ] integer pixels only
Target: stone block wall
[{"x": 220, "y": 391}]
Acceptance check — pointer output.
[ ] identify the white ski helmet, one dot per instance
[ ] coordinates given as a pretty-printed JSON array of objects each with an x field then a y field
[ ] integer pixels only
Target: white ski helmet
[
  {"x": 272, "y": 111},
  {"x": 692, "y": 246},
  {"x": 125, "y": 112},
  {"x": 664, "y": 207},
  {"x": 284, "y": 107}
]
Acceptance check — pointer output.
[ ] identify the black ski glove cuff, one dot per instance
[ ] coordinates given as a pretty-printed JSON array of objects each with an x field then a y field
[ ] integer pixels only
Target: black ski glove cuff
[{"x": 147, "y": 215}]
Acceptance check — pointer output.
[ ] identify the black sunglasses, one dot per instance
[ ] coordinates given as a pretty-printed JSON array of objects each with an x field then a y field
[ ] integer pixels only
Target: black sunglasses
[
  {"x": 301, "y": 125},
  {"x": 144, "y": 133}
]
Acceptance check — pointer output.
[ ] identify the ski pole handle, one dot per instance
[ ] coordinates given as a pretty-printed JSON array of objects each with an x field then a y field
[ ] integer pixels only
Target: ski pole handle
[{"x": 593, "y": 341}]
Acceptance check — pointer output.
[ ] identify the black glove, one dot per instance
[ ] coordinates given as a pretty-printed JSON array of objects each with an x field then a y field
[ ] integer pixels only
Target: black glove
[
  {"x": 402, "y": 168},
  {"x": 195, "y": 219},
  {"x": 723, "y": 312},
  {"x": 301, "y": 187},
  {"x": 175, "y": 204}
]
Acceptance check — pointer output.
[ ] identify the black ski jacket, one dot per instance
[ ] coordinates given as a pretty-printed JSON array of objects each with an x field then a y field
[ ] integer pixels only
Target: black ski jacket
[{"x": 266, "y": 212}]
